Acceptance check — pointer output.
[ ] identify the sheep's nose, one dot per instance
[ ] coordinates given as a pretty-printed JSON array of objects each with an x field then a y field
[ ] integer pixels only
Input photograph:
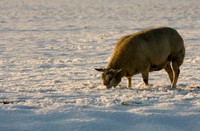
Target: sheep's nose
[{"x": 108, "y": 87}]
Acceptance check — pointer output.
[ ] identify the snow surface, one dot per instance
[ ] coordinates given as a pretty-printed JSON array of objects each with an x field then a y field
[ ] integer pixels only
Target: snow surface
[{"x": 48, "y": 52}]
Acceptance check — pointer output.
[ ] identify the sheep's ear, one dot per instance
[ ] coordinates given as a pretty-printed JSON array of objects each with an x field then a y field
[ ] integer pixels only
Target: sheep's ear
[{"x": 100, "y": 69}]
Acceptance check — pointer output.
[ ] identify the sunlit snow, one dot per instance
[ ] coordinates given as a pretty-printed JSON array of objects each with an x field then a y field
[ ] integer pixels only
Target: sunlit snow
[{"x": 48, "y": 52}]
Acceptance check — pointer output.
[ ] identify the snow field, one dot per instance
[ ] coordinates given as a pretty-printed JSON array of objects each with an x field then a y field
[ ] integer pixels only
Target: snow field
[{"x": 48, "y": 52}]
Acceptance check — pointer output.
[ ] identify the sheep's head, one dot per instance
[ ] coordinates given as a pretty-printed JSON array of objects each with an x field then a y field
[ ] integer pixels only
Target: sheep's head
[{"x": 110, "y": 77}]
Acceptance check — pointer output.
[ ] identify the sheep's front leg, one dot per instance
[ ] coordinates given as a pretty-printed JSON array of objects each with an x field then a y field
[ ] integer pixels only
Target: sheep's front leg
[{"x": 129, "y": 81}]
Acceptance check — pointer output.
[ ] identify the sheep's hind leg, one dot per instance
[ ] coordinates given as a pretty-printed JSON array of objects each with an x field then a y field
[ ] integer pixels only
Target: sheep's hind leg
[
  {"x": 169, "y": 71},
  {"x": 145, "y": 77},
  {"x": 176, "y": 71}
]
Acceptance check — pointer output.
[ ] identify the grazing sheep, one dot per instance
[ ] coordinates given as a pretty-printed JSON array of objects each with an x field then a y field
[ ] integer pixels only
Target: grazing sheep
[{"x": 143, "y": 52}]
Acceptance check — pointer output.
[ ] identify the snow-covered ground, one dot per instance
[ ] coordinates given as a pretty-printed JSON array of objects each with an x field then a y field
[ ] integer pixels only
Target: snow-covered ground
[{"x": 48, "y": 52}]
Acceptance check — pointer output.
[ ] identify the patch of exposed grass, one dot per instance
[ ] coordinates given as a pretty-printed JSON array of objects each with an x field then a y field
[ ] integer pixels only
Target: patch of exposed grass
[{"x": 7, "y": 102}]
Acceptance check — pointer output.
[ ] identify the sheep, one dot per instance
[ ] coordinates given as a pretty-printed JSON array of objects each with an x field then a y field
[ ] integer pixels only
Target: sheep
[{"x": 143, "y": 52}]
